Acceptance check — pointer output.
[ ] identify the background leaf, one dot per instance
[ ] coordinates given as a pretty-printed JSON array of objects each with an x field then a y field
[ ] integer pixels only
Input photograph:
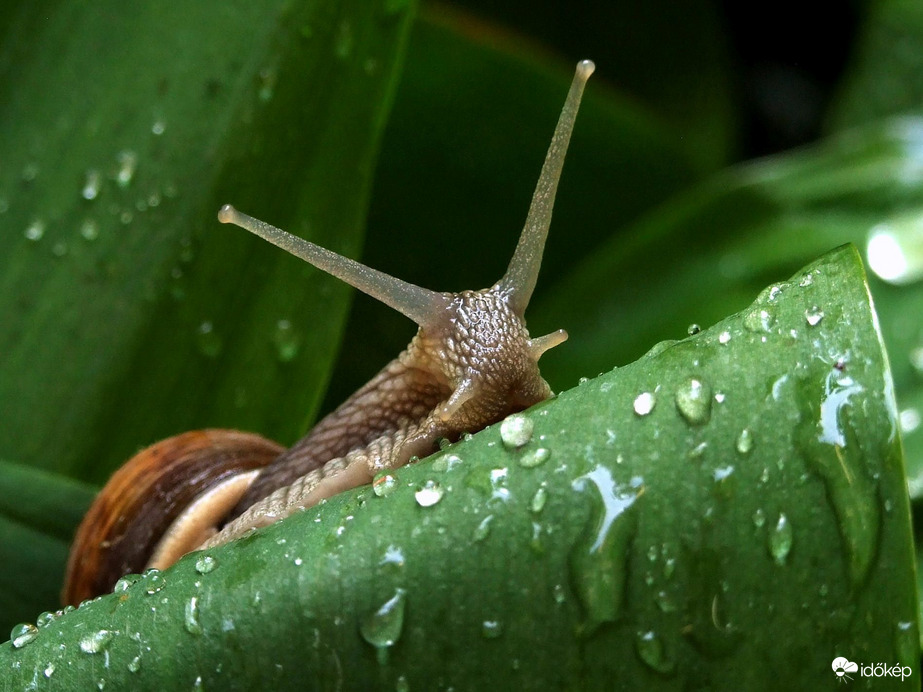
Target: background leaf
[{"x": 115, "y": 270}]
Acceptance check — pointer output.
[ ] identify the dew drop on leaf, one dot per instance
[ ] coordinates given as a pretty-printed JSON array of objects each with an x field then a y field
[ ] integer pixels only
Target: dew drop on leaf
[
  {"x": 22, "y": 634},
  {"x": 693, "y": 401},
  {"x": 516, "y": 431},
  {"x": 644, "y": 403},
  {"x": 780, "y": 540}
]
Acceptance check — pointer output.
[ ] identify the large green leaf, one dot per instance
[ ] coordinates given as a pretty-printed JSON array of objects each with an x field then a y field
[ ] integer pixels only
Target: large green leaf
[
  {"x": 128, "y": 314},
  {"x": 720, "y": 241},
  {"x": 662, "y": 527}
]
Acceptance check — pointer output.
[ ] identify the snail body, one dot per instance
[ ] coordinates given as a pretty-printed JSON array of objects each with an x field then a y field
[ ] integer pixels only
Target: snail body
[{"x": 471, "y": 363}]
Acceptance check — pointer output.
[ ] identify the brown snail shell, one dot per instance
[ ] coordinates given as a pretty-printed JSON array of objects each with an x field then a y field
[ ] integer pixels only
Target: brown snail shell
[{"x": 127, "y": 521}]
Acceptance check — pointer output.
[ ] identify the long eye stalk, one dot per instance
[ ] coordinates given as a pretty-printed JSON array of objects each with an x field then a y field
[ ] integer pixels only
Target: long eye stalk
[
  {"x": 522, "y": 273},
  {"x": 419, "y": 304}
]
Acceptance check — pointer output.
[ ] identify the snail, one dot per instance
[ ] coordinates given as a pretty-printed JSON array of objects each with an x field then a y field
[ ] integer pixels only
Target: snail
[{"x": 471, "y": 363}]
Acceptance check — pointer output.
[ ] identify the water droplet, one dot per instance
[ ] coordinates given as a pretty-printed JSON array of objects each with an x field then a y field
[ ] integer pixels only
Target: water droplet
[
  {"x": 445, "y": 462},
  {"x": 35, "y": 230},
  {"x": 780, "y": 540},
  {"x": 128, "y": 162},
  {"x": 205, "y": 564},
  {"x": 491, "y": 629},
  {"x": 384, "y": 484},
  {"x": 191, "y": 616},
  {"x": 89, "y": 230},
  {"x": 538, "y": 500},
  {"x": 134, "y": 665},
  {"x": 597, "y": 562},
  {"x": 644, "y": 403},
  {"x": 721, "y": 473},
  {"x": 559, "y": 593},
  {"x": 693, "y": 400},
  {"x": 429, "y": 494},
  {"x": 906, "y": 641},
  {"x": 516, "y": 431},
  {"x": 697, "y": 452},
  {"x": 393, "y": 560},
  {"x": 91, "y": 184},
  {"x": 664, "y": 602},
  {"x": 813, "y": 315},
  {"x": 343, "y": 42},
  {"x": 759, "y": 518},
  {"x": 49, "y": 670},
  {"x": 154, "y": 582},
  {"x": 806, "y": 280},
  {"x": 158, "y": 127},
  {"x": 22, "y": 634},
  {"x": 382, "y": 628},
  {"x": 286, "y": 340},
  {"x": 916, "y": 359},
  {"x": 759, "y": 320},
  {"x": 724, "y": 337},
  {"x": 535, "y": 457},
  {"x": 895, "y": 250},
  {"x": 831, "y": 448},
  {"x": 208, "y": 341},
  {"x": 125, "y": 582},
  {"x": 651, "y": 651},
  {"x": 744, "y": 443},
  {"x": 401, "y": 684},
  {"x": 59, "y": 249},
  {"x": 909, "y": 420},
  {"x": 268, "y": 78},
  {"x": 693, "y": 329},
  {"x": 96, "y": 642},
  {"x": 483, "y": 528},
  {"x": 45, "y": 618}
]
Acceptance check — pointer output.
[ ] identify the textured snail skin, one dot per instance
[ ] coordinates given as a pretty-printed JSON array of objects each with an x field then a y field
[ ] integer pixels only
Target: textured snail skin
[{"x": 471, "y": 363}]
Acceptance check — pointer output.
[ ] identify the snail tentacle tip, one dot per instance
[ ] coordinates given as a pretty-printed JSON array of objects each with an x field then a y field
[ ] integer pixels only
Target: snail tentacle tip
[
  {"x": 585, "y": 68},
  {"x": 227, "y": 214}
]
